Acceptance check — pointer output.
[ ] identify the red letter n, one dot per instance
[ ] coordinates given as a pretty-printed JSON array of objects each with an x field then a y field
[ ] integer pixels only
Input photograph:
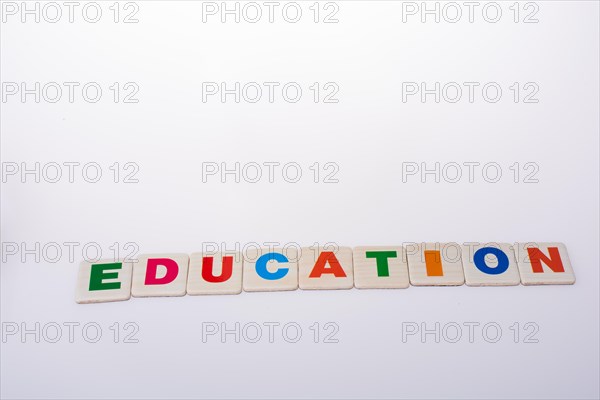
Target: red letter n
[{"x": 554, "y": 262}]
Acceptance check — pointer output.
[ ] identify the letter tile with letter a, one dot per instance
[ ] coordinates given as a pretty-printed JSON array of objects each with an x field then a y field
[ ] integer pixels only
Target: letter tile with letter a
[{"x": 326, "y": 268}]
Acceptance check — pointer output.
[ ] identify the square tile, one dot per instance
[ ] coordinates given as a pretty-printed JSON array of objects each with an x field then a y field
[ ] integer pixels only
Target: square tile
[
  {"x": 326, "y": 268},
  {"x": 215, "y": 273},
  {"x": 435, "y": 264},
  {"x": 103, "y": 281},
  {"x": 157, "y": 275},
  {"x": 490, "y": 264},
  {"x": 544, "y": 264},
  {"x": 267, "y": 270},
  {"x": 380, "y": 267}
]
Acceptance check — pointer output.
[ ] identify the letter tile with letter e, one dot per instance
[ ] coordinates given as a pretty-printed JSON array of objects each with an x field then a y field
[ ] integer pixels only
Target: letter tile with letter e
[
  {"x": 544, "y": 264},
  {"x": 103, "y": 281},
  {"x": 326, "y": 268},
  {"x": 435, "y": 264},
  {"x": 215, "y": 273},
  {"x": 158, "y": 275}
]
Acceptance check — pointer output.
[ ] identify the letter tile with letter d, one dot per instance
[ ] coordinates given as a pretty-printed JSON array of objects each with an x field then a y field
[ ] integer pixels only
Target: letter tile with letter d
[{"x": 160, "y": 275}]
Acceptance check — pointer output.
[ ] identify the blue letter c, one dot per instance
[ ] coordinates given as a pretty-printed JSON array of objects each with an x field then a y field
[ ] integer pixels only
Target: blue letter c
[{"x": 261, "y": 266}]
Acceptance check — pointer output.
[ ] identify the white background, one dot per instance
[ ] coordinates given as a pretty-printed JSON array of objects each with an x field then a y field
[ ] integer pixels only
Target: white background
[{"x": 369, "y": 133}]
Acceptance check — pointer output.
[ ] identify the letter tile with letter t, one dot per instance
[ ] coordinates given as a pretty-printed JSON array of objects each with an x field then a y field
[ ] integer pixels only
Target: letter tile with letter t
[
  {"x": 103, "y": 281},
  {"x": 544, "y": 264},
  {"x": 158, "y": 275},
  {"x": 326, "y": 268},
  {"x": 380, "y": 267}
]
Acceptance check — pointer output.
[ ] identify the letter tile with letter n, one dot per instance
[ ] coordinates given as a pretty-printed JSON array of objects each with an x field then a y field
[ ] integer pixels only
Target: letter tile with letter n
[
  {"x": 103, "y": 280},
  {"x": 326, "y": 268},
  {"x": 267, "y": 270},
  {"x": 380, "y": 267},
  {"x": 544, "y": 264},
  {"x": 435, "y": 264},
  {"x": 158, "y": 275},
  {"x": 215, "y": 273}
]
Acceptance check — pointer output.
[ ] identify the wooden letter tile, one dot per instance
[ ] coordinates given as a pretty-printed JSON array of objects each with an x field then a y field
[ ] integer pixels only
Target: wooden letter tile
[
  {"x": 380, "y": 267},
  {"x": 326, "y": 268},
  {"x": 156, "y": 275},
  {"x": 490, "y": 264},
  {"x": 104, "y": 280},
  {"x": 215, "y": 273},
  {"x": 544, "y": 264},
  {"x": 435, "y": 264},
  {"x": 268, "y": 270}
]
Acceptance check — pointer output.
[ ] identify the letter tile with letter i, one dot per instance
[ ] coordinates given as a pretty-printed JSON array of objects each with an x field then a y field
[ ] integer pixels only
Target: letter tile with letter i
[{"x": 435, "y": 264}]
